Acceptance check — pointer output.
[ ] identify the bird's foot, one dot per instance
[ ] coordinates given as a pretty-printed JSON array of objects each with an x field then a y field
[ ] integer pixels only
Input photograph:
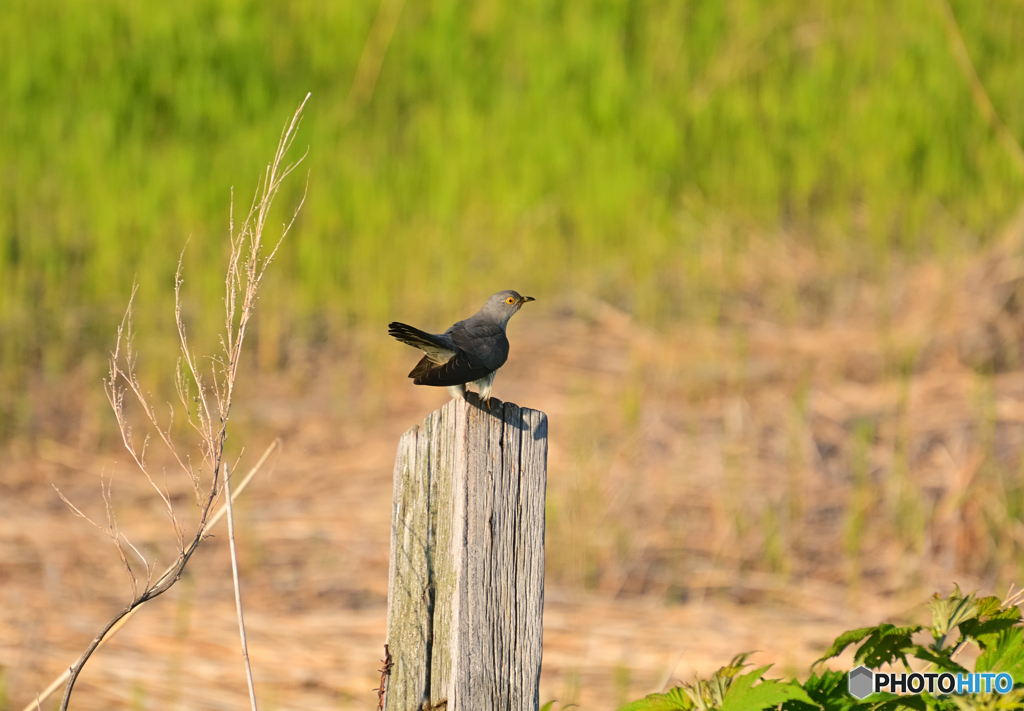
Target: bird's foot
[{"x": 487, "y": 403}]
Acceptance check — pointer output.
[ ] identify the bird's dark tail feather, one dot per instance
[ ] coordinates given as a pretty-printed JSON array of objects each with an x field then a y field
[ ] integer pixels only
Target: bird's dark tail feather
[
  {"x": 422, "y": 368},
  {"x": 413, "y": 336}
]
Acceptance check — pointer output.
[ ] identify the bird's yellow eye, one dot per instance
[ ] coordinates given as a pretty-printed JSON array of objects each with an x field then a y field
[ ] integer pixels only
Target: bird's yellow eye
[{"x": 510, "y": 300}]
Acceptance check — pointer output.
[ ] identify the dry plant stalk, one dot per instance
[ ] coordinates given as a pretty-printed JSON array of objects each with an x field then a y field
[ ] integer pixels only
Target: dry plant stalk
[
  {"x": 62, "y": 679},
  {"x": 208, "y": 407},
  {"x": 238, "y": 589}
]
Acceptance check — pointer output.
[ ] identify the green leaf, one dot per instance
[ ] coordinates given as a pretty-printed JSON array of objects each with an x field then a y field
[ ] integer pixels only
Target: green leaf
[
  {"x": 830, "y": 692},
  {"x": 701, "y": 694},
  {"x": 886, "y": 644},
  {"x": 948, "y": 612},
  {"x": 744, "y": 696},
  {"x": 843, "y": 641},
  {"x": 941, "y": 659},
  {"x": 710, "y": 693},
  {"x": 996, "y": 635},
  {"x": 1006, "y": 654},
  {"x": 987, "y": 633},
  {"x": 673, "y": 700},
  {"x": 892, "y": 702},
  {"x": 551, "y": 704},
  {"x": 991, "y": 606},
  {"x": 1012, "y": 701},
  {"x": 938, "y": 703}
]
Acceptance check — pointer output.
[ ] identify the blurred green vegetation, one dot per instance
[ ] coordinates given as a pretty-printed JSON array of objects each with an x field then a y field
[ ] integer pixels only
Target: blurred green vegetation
[{"x": 546, "y": 145}]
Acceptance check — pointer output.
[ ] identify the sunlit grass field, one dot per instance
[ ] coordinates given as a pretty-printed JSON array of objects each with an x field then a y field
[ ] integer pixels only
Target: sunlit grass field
[
  {"x": 778, "y": 301},
  {"x": 601, "y": 147}
]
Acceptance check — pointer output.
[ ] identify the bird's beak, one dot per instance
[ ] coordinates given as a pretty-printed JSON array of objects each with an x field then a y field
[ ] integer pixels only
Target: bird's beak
[{"x": 527, "y": 298}]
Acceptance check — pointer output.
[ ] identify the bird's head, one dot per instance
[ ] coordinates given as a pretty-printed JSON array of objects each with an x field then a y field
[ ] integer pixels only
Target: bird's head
[{"x": 504, "y": 304}]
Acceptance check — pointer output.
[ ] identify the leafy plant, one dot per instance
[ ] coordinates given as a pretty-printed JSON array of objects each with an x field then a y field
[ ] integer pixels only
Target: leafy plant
[
  {"x": 727, "y": 690},
  {"x": 993, "y": 626},
  {"x": 550, "y": 705}
]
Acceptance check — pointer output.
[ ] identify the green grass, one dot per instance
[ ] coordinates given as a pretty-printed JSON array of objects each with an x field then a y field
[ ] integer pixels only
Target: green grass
[{"x": 547, "y": 146}]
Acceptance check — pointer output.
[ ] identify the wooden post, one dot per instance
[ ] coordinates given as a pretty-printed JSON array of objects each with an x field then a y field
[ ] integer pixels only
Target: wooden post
[{"x": 466, "y": 584}]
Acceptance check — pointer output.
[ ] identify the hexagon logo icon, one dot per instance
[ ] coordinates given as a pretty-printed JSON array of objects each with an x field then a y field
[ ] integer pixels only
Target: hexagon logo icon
[{"x": 860, "y": 682}]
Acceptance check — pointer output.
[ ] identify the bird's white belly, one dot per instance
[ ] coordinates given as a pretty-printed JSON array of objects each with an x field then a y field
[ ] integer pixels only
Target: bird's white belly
[{"x": 483, "y": 386}]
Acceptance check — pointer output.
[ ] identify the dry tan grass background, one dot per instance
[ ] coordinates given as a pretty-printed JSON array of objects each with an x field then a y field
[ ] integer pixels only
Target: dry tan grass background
[{"x": 763, "y": 481}]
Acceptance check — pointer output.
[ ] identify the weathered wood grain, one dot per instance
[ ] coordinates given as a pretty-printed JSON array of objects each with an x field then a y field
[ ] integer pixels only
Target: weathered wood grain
[{"x": 466, "y": 589}]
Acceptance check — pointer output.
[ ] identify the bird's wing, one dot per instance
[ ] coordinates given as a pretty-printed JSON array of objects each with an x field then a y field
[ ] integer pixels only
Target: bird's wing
[
  {"x": 467, "y": 351},
  {"x": 439, "y": 349},
  {"x": 484, "y": 342},
  {"x": 461, "y": 368}
]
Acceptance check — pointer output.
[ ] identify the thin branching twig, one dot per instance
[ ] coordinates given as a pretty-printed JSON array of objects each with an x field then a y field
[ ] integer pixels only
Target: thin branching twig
[
  {"x": 208, "y": 406},
  {"x": 112, "y": 530},
  {"x": 214, "y": 520}
]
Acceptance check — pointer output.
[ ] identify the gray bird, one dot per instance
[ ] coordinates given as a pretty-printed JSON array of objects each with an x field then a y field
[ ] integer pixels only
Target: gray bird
[{"x": 471, "y": 351}]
